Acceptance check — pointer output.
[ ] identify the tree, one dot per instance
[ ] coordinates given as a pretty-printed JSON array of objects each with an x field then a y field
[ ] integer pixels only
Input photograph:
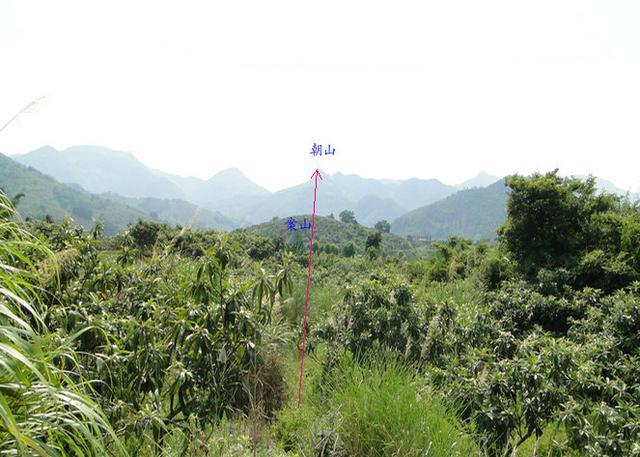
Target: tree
[
  {"x": 383, "y": 226},
  {"x": 548, "y": 219},
  {"x": 16, "y": 200},
  {"x": 348, "y": 217},
  {"x": 349, "y": 249},
  {"x": 373, "y": 240},
  {"x": 145, "y": 234}
]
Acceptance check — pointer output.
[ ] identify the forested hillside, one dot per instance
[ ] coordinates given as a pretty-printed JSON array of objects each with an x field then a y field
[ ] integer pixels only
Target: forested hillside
[
  {"x": 97, "y": 169},
  {"x": 42, "y": 196},
  {"x": 331, "y": 235},
  {"x": 178, "y": 212},
  {"x": 471, "y": 213},
  {"x": 162, "y": 341}
]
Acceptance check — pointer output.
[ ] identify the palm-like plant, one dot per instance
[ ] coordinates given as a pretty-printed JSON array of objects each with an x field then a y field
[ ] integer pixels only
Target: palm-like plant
[{"x": 44, "y": 409}]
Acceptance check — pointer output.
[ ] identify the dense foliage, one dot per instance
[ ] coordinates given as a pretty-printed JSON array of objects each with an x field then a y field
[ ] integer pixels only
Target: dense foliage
[
  {"x": 172, "y": 341},
  {"x": 472, "y": 213}
]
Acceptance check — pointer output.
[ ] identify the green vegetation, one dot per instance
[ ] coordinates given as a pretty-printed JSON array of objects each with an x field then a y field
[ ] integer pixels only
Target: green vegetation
[
  {"x": 43, "y": 197},
  {"x": 178, "y": 212},
  {"x": 334, "y": 236},
  {"x": 382, "y": 226},
  {"x": 163, "y": 341},
  {"x": 472, "y": 213},
  {"x": 45, "y": 404},
  {"x": 348, "y": 217}
]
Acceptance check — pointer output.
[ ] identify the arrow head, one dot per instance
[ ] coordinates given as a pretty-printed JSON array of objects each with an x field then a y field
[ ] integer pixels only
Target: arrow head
[{"x": 316, "y": 174}]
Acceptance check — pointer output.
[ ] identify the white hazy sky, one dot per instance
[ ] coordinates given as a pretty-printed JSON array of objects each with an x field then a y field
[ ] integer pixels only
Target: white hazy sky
[{"x": 401, "y": 89}]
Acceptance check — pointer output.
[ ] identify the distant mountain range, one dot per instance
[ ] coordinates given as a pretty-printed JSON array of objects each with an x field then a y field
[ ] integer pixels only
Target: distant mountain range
[
  {"x": 127, "y": 189},
  {"x": 44, "y": 196},
  {"x": 229, "y": 192}
]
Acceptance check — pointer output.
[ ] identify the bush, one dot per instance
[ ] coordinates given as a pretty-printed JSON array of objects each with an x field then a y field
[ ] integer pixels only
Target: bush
[
  {"x": 494, "y": 269},
  {"x": 378, "y": 312},
  {"x": 349, "y": 249},
  {"x": 520, "y": 308}
]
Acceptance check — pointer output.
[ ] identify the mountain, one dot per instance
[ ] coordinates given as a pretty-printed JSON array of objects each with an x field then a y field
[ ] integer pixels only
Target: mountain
[
  {"x": 178, "y": 212},
  {"x": 409, "y": 194},
  {"x": 298, "y": 200},
  {"x": 371, "y": 209},
  {"x": 102, "y": 170},
  {"x": 607, "y": 186},
  {"x": 227, "y": 184},
  {"x": 229, "y": 192},
  {"x": 470, "y": 213},
  {"x": 45, "y": 196},
  {"x": 98, "y": 169},
  {"x": 370, "y": 199},
  {"x": 482, "y": 179}
]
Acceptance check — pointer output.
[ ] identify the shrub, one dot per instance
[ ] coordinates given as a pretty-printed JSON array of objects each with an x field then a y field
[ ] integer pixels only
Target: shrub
[{"x": 379, "y": 312}]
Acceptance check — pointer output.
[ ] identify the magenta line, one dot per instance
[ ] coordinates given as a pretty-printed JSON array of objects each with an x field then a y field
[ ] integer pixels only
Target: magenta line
[{"x": 306, "y": 300}]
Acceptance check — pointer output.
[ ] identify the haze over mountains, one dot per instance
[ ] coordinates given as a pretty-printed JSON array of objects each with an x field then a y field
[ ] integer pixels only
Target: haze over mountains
[
  {"x": 101, "y": 170},
  {"x": 44, "y": 196},
  {"x": 228, "y": 200}
]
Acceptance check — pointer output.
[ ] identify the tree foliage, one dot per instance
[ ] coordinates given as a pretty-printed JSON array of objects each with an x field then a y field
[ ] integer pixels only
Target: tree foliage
[{"x": 348, "y": 217}]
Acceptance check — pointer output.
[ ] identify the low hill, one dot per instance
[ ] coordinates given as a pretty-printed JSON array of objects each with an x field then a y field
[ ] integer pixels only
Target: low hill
[
  {"x": 473, "y": 213},
  {"x": 327, "y": 231},
  {"x": 45, "y": 196}
]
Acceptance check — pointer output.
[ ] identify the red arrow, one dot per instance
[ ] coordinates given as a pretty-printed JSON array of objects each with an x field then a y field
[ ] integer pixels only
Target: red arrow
[{"x": 316, "y": 174}]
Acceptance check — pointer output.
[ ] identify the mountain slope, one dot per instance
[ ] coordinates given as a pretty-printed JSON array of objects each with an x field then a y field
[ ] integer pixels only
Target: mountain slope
[
  {"x": 231, "y": 193},
  {"x": 45, "y": 196},
  {"x": 177, "y": 212},
  {"x": 371, "y": 209},
  {"x": 371, "y": 200},
  {"x": 224, "y": 185},
  {"x": 98, "y": 169},
  {"x": 472, "y": 213},
  {"x": 414, "y": 193},
  {"x": 409, "y": 194},
  {"x": 482, "y": 179}
]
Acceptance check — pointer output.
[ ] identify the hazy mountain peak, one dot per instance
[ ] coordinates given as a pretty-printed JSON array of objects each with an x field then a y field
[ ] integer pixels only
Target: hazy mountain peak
[
  {"x": 229, "y": 173},
  {"x": 99, "y": 169},
  {"x": 101, "y": 151},
  {"x": 44, "y": 150},
  {"x": 482, "y": 179}
]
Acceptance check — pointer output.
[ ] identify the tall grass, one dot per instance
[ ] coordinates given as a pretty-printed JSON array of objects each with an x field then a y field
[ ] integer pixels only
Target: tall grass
[
  {"x": 373, "y": 409},
  {"x": 44, "y": 409},
  {"x": 382, "y": 414}
]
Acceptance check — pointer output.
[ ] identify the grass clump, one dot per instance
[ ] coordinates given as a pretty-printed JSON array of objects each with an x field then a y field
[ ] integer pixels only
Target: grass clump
[
  {"x": 373, "y": 408},
  {"x": 382, "y": 414}
]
